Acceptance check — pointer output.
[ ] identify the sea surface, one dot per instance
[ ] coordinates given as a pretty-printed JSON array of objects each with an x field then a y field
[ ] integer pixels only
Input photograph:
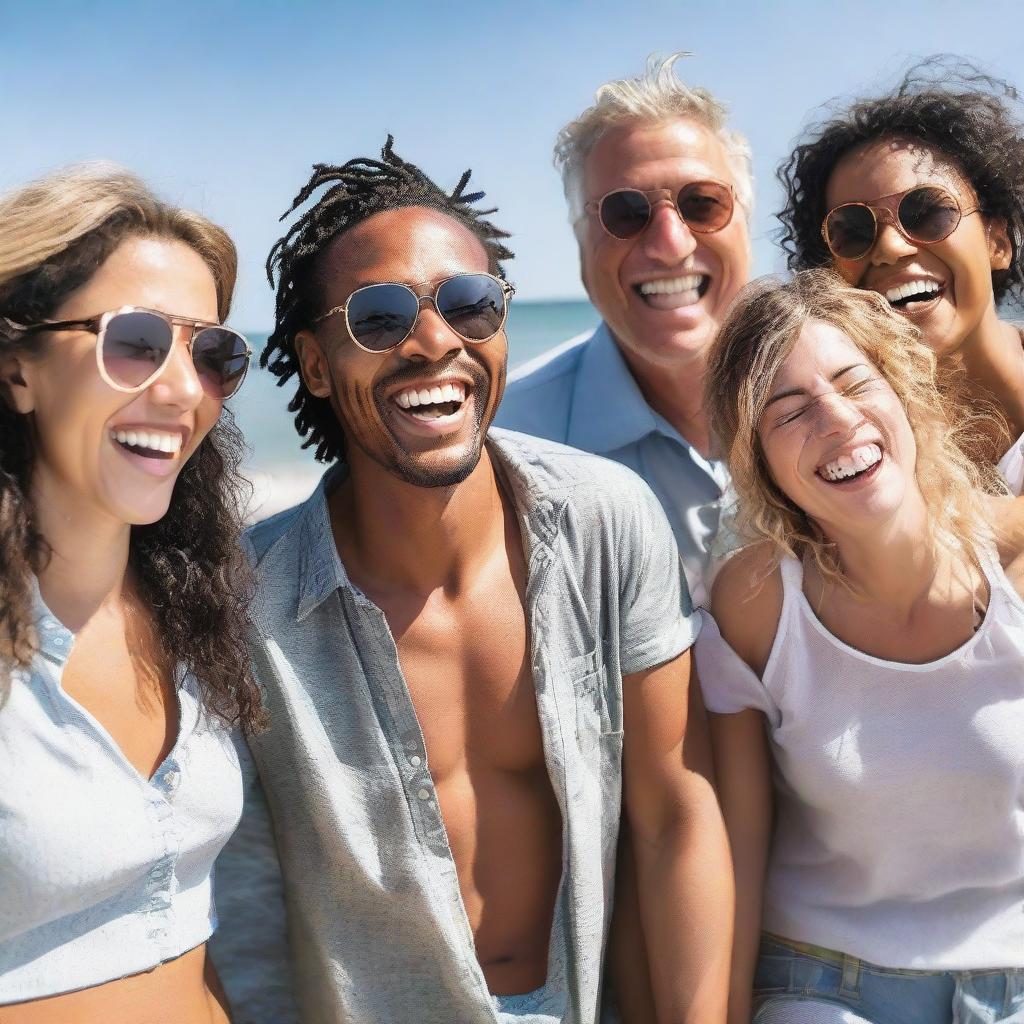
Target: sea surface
[{"x": 282, "y": 473}]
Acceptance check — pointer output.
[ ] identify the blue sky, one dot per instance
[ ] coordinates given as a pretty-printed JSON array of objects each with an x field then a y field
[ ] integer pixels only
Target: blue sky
[{"x": 224, "y": 106}]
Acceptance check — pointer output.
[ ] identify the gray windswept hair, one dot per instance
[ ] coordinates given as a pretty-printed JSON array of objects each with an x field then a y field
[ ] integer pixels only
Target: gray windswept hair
[{"x": 655, "y": 96}]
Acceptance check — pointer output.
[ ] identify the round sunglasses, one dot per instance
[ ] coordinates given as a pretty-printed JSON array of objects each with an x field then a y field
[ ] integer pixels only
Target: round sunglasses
[
  {"x": 379, "y": 317},
  {"x": 923, "y": 215},
  {"x": 133, "y": 346},
  {"x": 704, "y": 206}
]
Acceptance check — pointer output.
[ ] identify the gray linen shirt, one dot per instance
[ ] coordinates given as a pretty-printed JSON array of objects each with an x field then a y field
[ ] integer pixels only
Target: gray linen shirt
[{"x": 377, "y": 929}]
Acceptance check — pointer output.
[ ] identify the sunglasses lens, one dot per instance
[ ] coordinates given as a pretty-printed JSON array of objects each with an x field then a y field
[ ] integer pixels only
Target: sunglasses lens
[
  {"x": 473, "y": 305},
  {"x": 625, "y": 213},
  {"x": 221, "y": 358},
  {"x": 850, "y": 231},
  {"x": 135, "y": 346},
  {"x": 706, "y": 206},
  {"x": 928, "y": 214},
  {"x": 381, "y": 316}
]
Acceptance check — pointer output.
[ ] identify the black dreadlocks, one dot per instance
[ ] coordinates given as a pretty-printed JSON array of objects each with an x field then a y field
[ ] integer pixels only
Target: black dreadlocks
[{"x": 363, "y": 187}]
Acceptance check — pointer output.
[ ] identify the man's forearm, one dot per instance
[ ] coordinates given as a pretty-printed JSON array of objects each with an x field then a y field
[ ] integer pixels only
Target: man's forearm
[{"x": 686, "y": 902}]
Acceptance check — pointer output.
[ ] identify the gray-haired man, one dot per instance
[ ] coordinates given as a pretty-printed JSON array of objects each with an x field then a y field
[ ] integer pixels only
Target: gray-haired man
[{"x": 659, "y": 193}]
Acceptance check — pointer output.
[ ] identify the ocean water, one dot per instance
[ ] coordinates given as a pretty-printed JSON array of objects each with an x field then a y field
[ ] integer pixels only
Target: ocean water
[{"x": 282, "y": 473}]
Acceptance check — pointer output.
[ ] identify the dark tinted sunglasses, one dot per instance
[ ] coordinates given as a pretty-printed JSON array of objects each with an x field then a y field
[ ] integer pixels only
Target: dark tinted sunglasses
[
  {"x": 379, "y": 317},
  {"x": 704, "y": 206},
  {"x": 133, "y": 346},
  {"x": 923, "y": 215}
]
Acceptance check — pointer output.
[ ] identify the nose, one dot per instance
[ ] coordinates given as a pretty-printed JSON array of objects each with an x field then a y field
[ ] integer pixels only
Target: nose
[
  {"x": 836, "y": 413},
  {"x": 432, "y": 339},
  {"x": 890, "y": 244},
  {"x": 667, "y": 238},
  {"x": 178, "y": 385}
]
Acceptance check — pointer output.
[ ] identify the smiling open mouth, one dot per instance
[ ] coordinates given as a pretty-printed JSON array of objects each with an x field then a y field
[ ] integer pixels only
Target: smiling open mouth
[
  {"x": 673, "y": 292},
  {"x": 434, "y": 403},
  {"x": 906, "y": 296},
  {"x": 861, "y": 461},
  {"x": 149, "y": 443}
]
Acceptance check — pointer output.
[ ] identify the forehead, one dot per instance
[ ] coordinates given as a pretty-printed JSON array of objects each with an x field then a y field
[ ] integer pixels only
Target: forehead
[
  {"x": 645, "y": 155},
  {"x": 409, "y": 246},
  {"x": 156, "y": 273},
  {"x": 819, "y": 350},
  {"x": 885, "y": 166}
]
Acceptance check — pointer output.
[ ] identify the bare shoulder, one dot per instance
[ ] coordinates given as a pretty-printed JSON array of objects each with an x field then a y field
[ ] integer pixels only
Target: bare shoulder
[
  {"x": 746, "y": 601},
  {"x": 1007, "y": 518}
]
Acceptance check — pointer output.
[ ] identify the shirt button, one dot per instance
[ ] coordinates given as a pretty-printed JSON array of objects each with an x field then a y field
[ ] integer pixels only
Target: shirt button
[
  {"x": 424, "y": 794},
  {"x": 58, "y": 641},
  {"x": 415, "y": 761},
  {"x": 171, "y": 779}
]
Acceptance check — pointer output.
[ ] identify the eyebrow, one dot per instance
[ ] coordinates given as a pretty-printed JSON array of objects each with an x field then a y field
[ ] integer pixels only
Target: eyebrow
[{"x": 793, "y": 392}]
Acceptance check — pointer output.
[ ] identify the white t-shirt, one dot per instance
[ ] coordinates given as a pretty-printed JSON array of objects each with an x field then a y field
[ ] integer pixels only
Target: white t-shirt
[
  {"x": 899, "y": 834},
  {"x": 1011, "y": 466}
]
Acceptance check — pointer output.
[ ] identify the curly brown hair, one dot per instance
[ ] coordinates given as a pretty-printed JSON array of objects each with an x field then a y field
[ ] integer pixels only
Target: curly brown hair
[
  {"x": 56, "y": 233},
  {"x": 753, "y": 343},
  {"x": 950, "y": 105}
]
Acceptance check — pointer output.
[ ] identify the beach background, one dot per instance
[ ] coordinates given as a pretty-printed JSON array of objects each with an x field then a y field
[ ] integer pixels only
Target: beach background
[{"x": 283, "y": 474}]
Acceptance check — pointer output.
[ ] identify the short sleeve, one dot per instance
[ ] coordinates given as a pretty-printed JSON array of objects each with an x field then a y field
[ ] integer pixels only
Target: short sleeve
[
  {"x": 728, "y": 683},
  {"x": 657, "y": 620}
]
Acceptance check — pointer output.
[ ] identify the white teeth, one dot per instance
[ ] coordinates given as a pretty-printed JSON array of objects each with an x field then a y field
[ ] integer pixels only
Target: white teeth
[
  {"x": 851, "y": 463},
  {"x": 904, "y": 291},
  {"x": 152, "y": 440},
  {"x": 448, "y": 392},
  {"x": 672, "y": 285}
]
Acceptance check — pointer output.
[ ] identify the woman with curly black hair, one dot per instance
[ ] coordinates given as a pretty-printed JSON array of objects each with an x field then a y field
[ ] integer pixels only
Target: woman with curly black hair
[
  {"x": 919, "y": 196},
  {"x": 122, "y": 621}
]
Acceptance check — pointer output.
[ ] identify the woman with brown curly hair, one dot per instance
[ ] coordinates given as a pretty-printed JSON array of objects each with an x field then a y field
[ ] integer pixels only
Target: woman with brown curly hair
[
  {"x": 863, "y": 670},
  {"x": 919, "y": 195},
  {"x": 122, "y": 655}
]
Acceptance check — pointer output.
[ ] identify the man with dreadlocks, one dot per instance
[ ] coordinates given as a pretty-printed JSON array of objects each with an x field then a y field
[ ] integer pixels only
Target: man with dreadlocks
[{"x": 474, "y": 646}]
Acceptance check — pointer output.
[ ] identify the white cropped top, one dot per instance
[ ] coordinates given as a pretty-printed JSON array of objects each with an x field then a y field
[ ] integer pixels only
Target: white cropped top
[
  {"x": 899, "y": 834},
  {"x": 103, "y": 873}
]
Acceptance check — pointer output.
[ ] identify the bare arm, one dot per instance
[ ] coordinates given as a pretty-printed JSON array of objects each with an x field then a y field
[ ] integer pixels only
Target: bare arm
[
  {"x": 682, "y": 854},
  {"x": 743, "y": 772}
]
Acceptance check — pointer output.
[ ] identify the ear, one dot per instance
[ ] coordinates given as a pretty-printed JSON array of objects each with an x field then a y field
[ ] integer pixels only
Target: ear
[
  {"x": 313, "y": 363},
  {"x": 1000, "y": 249},
  {"x": 13, "y": 386}
]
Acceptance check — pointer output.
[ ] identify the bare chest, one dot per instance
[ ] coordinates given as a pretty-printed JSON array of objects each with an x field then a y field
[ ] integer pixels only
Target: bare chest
[
  {"x": 116, "y": 678},
  {"x": 467, "y": 667}
]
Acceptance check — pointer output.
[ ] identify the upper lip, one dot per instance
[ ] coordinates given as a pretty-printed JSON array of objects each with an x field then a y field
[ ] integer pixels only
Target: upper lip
[{"x": 426, "y": 383}]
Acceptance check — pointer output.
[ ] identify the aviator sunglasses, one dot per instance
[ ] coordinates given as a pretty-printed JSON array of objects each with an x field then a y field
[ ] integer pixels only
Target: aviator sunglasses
[
  {"x": 923, "y": 215},
  {"x": 379, "y": 317},
  {"x": 704, "y": 206},
  {"x": 133, "y": 346}
]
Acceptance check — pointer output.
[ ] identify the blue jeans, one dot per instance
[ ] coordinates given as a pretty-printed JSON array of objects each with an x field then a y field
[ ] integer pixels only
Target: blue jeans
[{"x": 799, "y": 984}]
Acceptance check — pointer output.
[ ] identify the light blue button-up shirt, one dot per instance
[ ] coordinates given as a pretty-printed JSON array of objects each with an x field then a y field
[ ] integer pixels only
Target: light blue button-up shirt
[
  {"x": 378, "y": 931},
  {"x": 103, "y": 873},
  {"x": 583, "y": 394}
]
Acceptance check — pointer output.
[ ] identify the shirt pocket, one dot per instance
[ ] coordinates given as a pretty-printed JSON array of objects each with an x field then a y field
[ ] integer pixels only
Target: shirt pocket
[{"x": 598, "y": 708}]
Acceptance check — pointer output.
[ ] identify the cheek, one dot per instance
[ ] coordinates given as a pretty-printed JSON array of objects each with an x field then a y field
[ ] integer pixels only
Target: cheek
[{"x": 851, "y": 271}]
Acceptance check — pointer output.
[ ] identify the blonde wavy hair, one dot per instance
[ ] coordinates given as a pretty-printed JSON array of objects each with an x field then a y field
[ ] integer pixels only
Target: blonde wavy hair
[
  {"x": 757, "y": 337},
  {"x": 653, "y": 97}
]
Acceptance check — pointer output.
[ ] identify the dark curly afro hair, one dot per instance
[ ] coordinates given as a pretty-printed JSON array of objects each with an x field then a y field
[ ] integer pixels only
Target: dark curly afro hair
[{"x": 943, "y": 102}]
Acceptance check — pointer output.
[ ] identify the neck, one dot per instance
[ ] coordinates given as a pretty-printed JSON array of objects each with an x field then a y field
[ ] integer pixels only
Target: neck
[
  {"x": 394, "y": 534},
  {"x": 675, "y": 390},
  {"x": 88, "y": 557},
  {"x": 890, "y": 566},
  {"x": 993, "y": 359}
]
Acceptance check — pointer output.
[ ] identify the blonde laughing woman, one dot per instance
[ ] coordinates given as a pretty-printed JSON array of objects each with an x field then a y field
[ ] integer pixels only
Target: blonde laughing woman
[{"x": 864, "y": 670}]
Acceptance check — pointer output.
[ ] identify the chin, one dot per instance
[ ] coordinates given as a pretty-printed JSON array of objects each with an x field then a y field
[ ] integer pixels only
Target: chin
[{"x": 430, "y": 473}]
